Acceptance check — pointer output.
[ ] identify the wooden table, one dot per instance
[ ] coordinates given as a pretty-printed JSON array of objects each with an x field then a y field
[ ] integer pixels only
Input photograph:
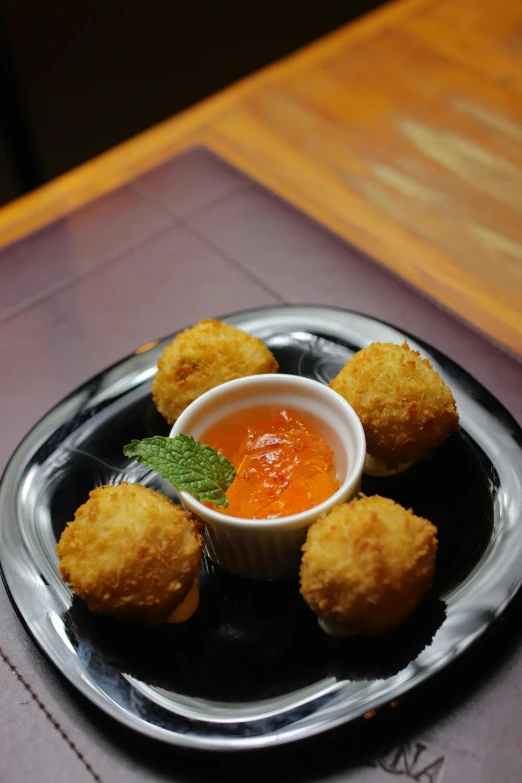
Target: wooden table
[{"x": 402, "y": 132}]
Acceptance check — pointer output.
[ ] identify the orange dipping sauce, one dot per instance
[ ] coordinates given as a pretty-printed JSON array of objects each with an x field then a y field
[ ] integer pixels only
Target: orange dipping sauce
[{"x": 282, "y": 467}]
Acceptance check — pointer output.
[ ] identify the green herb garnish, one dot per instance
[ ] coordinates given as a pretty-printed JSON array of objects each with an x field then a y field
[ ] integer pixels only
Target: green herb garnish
[{"x": 188, "y": 465}]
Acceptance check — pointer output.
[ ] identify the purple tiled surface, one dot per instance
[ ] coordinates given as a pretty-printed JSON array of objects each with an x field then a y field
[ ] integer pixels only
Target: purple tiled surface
[
  {"x": 190, "y": 182},
  {"x": 193, "y": 239},
  {"x": 77, "y": 245}
]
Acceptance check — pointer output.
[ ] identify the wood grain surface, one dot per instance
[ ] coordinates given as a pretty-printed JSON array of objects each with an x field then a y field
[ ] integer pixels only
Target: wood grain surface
[{"x": 402, "y": 132}]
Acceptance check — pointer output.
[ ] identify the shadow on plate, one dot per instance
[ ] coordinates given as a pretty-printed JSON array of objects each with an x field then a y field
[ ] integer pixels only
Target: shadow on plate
[{"x": 247, "y": 641}]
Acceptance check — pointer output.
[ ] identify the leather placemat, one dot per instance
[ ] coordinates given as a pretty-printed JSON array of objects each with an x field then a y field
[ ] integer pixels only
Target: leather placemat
[{"x": 192, "y": 239}]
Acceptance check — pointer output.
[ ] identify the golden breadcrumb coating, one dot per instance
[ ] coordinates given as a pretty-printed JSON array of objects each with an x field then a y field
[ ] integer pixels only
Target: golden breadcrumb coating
[
  {"x": 367, "y": 564},
  {"x": 202, "y": 357},
  {"x": 405, "y": 407},
  {"x": 130, "y": 552}
]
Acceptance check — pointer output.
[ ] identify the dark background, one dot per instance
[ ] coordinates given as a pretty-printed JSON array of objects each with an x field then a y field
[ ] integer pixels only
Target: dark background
[{"x": 76, "y": 78}]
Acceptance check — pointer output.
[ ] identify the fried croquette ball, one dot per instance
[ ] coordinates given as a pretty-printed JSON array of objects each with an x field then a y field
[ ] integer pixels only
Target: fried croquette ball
[
  {"x": 130, "y": 552},
  {"x": 366, "y": 565},
  {"x": 405, "y": 407},
  {"x": 202, "y": 357}
]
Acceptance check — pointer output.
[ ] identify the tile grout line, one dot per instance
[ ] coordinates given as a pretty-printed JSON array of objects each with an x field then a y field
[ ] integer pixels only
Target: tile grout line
[
  {"x": 167, "y": 211},
  {"x": 232, "y": 262},
  {"x": 52, "y": 720},
  {"x": 175, "y": 221},
  {"x": 64, "y": 284}
]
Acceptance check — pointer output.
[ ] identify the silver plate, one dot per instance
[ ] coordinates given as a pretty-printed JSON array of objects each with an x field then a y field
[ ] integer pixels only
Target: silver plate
[{"x": 252, "y": 668}]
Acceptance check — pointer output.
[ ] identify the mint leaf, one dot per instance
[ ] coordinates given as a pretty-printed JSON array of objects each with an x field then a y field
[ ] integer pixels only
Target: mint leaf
[{"x": 188, "y": 465}]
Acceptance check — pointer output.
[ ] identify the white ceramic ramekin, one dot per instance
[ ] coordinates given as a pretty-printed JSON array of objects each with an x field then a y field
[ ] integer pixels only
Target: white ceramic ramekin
[{"x": 271, "y": 548}]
